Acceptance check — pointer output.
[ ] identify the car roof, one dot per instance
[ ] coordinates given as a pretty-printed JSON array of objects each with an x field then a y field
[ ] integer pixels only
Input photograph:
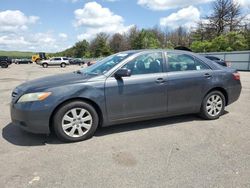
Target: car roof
[{"x": 156, "y": 50}]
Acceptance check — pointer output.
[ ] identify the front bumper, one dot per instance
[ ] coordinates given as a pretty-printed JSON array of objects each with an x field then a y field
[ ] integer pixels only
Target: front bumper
[{"x": 33, "y": 117}]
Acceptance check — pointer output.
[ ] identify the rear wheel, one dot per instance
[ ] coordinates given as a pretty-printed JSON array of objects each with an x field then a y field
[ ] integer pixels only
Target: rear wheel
[
  {"x": 45, "y": 65},
  {"x": 63, "y": 65},
  {"x": 75, "y": 121},
  {"x": 213, "y": 105}
]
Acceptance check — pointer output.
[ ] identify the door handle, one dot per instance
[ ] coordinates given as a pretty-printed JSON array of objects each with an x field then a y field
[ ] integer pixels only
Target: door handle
[
  {"x": 207, "y": 75},
  {"x": 160, "y": 80}
]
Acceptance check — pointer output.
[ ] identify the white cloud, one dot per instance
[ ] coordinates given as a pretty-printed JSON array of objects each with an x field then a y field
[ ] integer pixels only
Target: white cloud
[
  {"x": 46, "y": 41},
  {"x": 63, "y": 36},
  {"x": 246, "y": 19},
  {"x": 243, "y": 3},
  {"x": 186, "y": 17},
  {"x": 15, "y": 20},
  {"x": 16, "y": 34},
  {"x": 94, "y": 19},
  {"x": 169, "y": 4}
]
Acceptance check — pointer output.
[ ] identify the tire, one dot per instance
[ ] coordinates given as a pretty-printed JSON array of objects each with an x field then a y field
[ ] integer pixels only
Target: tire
[
  {"x": 63, "y": 65},
  {"x": 213, "y": 105},
  {"x": 45, "y": 65},
  {"x": 71, "y": 128},
  {"x": 4, "y": 64}
]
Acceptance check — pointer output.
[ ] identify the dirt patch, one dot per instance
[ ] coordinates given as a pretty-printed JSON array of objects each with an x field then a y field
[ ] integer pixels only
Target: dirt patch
[{"x": 124, "y": 159}]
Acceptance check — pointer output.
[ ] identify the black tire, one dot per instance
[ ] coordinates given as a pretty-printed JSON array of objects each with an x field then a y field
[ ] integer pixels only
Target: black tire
[
  {"x": 63, "y": 110},
  {"x": 4, "y": 64},
  {"x": 45, "y": 65},
  {"x": 63, "y": 65},
  {"x": 205, "y": 113}
]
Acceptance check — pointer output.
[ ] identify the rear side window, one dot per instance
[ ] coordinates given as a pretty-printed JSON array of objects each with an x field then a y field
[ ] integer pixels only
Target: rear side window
[
  {"x": 146, "y": 64},
  {"x": 65, "y": 58},
  {"x": 184, "y": 62},
  {"x": 212, "y": 58}
]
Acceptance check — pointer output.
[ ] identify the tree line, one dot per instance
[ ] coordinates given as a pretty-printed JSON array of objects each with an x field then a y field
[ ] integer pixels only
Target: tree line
[{"x": 226, "y": 29}]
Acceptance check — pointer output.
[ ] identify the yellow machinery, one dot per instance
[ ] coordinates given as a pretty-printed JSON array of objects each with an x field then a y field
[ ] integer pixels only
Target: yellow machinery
[{"x": 38, "y": 57}]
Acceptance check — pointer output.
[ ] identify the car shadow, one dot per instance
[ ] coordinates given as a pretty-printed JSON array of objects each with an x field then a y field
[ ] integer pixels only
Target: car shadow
[
  {"x": 170, "y": 121},
  {"x": 16, "y": 136}
]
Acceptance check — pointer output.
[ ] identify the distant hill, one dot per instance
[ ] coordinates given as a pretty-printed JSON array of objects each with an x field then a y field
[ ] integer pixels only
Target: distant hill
[{"x": 16, "y": 54}]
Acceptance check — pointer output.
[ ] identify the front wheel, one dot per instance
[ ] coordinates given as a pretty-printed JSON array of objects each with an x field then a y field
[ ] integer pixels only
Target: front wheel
[
  {"x": 45, "y": 65},
  {"x": 4, "y": 65},
  {"x": 213, "y": 105},
  {"x": 75, "y": 121}
]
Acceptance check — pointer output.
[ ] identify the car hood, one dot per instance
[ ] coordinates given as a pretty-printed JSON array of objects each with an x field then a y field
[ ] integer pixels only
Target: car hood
[{"x": 44, "y": 83}]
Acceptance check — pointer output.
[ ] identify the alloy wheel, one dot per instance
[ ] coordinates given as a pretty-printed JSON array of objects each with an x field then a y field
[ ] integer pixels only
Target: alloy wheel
[
  {"x": 77, "y": 122},
  {"x": 214, "y": 105}
]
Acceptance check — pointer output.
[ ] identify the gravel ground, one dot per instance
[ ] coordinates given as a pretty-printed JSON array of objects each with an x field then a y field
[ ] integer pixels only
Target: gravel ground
[{"x": 183, "y": 151}]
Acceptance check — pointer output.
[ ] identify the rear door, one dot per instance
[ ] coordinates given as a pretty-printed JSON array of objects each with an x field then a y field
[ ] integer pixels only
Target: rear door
[
  {"x": 142, "y": 94},
  {"x": 188, "y": 80},
  {"x": 57, "y": 61}
]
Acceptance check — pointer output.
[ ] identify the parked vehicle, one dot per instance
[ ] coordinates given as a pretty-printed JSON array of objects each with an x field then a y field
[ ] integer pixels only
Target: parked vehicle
[
  {"x": 55, "y": 61},
  {"x": 217, "y": 60},
  {"x": 38, "y": 57},
  {"x": 125, "y": 87},
  {"x": 5, "y": 61},
  {"x": 76, "y": 61},
  {"x": 23, "y": 61}
]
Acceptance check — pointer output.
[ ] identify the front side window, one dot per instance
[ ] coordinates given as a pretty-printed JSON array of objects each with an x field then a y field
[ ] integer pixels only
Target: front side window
[
  {"x": 106, "y": 64},
  {"x": 57, "y": 59},
  {"x": 184, "y": 62},
  {"x": 146, "y": 64}
]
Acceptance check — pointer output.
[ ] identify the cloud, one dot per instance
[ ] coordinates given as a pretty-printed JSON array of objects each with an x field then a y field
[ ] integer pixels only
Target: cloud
[
  {"x": 95, "y": 19},
  {"x": 168, "y": 4},
  {"x": 15, "y": 20},
  {"x": 41, "y": 41},
  {"x": 186, "y": 17},
  {"x": 15, "y": 34},
  {"x": 243, "y": 3},
  {"x": 63, "y": 36},
  {"x": 246, "y": 20}
]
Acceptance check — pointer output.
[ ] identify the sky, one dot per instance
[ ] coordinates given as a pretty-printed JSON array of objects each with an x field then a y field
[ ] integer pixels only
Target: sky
[{"x": 54, "y": 25}]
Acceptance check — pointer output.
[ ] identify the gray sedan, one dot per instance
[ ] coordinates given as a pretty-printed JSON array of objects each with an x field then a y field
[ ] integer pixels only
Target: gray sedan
[{"x": 125, "y": 87}]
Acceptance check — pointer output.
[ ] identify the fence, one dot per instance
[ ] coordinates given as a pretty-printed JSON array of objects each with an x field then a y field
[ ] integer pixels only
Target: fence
[{"x": 238, "y": 59}]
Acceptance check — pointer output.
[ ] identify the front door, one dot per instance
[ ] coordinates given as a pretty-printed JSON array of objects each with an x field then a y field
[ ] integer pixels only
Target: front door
[{"x": 142, "y": 94}]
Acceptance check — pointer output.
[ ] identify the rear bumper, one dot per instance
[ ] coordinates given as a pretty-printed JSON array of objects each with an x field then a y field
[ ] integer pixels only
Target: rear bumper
[
  {"x": 233, "y": 93},
  {"x": 30, "y": 117}
]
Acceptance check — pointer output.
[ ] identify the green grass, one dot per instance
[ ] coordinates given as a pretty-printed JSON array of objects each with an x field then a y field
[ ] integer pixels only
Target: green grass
[{"x": 17, "y": 54}]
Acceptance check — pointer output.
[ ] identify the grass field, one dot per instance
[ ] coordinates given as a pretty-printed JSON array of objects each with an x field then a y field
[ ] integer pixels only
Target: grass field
[{"x": 16, "y": 54}]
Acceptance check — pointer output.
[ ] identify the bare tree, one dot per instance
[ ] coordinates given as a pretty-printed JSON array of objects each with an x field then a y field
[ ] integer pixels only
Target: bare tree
[
  {"x": 234, "y": 16},
  {"x": 218, "y": 19}
]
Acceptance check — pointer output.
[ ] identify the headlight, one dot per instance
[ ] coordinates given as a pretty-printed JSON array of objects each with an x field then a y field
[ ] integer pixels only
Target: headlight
[{"x": 29, "y": 97}]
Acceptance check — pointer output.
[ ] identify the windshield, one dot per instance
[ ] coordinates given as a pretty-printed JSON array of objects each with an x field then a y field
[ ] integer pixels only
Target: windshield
[{"x": 104, "y": 65}]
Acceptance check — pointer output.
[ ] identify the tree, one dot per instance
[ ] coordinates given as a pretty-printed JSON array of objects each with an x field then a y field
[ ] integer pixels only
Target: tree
[
  {"x": 99, "y": 46},
  {"x": 219, "y": 17},
  {"x": 80, "y": 49},
  {"x": 117, "y": 43},
  {"x": 234, "y": 16}
]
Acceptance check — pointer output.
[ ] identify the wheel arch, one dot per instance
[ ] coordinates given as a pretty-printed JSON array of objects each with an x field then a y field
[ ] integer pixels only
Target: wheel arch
[
  {"x": 95, "y": 105},
  {"x": 222, "y": 90}
]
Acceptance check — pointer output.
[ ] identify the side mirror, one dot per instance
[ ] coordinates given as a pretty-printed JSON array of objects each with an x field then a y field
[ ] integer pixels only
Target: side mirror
[{"x": 123, "y": 72}]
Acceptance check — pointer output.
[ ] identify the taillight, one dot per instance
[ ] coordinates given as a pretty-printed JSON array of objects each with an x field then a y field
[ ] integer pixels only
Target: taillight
[{"x": 236, "y": 76}]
